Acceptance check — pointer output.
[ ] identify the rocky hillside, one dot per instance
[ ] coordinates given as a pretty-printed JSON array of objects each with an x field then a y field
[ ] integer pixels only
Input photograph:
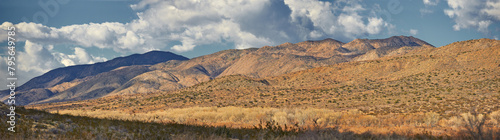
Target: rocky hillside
[
  {"x": 110, "y": 78},
  {"x": 447, "y": 80},
  {"x": 82, "y": 80},
  {"x": 265, "y": 61}
]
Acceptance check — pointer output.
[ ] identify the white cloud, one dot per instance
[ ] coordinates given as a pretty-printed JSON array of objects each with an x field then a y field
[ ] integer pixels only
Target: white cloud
[
  {"x": 493, "y": 8},
  {"x": 34, "y": 61},
  {"x": 103, "y": 35},
  {"x": 413, "y": 31},
  {"x": 80, "y": 56},
  {"x": 318, "y": 12},
  {"x": 431, "y": 2},
  {"x": 196, "y": 23},
  {"x": 187, "y": 45},
  {"x": 3, "y": 30},
  {"x": 190, "y": 22},
  {"x": 375, "y": 25},
  {"x": 22, "y": 76},
  {"x": 38, "y": 59},
  {"x": 350, "y": 23},
  {"x": 428, "y": 7},
  {"x": 143, "y": 4},
  {"x": 131, "y": 40},
  {"x": 476, "y": 14},
  {"x": 3, "y": 75}
]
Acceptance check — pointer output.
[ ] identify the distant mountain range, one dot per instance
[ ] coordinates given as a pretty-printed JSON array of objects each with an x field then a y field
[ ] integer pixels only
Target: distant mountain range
[
  {"x": 262, "y": 62},
  {"x": 164, "y": 71},
  {"x": 99, "y": 77},
  {"x": 448, "y": 80}
]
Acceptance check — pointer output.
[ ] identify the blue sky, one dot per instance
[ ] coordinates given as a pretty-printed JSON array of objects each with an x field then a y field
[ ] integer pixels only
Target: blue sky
[{"x": 58, "y": 33}]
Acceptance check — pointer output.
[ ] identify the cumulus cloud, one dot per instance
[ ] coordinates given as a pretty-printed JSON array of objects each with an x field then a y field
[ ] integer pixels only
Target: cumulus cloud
[
  {"x": 431, "y": 2},
  {"x": 476, "y": 14},
  {"x": 38, "y": 59},
  {"x": 493, "y": 8},
  {"x": 350, "y": 23},
  {"x": 3, "y": 66},
  {"x": 195, "y": 23},
  {"x": 80, "y": 56},
  {"x": 32, "y": 62},
  {"x": 22, "y": 76},
  {"x": 428, "y": 6},
  {"x": 103, "y": 35},
  {"x": 413, "y": 31}
]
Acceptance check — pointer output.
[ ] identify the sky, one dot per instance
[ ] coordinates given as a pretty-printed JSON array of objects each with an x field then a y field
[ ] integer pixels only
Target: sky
[{"x": 58, "y": 33}]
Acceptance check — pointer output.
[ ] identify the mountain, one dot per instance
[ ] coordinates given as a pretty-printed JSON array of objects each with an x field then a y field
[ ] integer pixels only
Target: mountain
[
  {"x": 173, "y": 75},
  {"x": 61, "y": 79},
  {"x": 447, "y": 80},
  {"x": 259, "y": 63},
  {"x": 57, "y": 86}
]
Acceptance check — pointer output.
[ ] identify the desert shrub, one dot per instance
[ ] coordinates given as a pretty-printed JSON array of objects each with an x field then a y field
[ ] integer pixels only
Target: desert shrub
[
  {"x": 205, "y": 116},
  {"x": 332, "y": 118},
  {"x": 367, "y": 120},
  {"x": 54, "y": 131},
  {"x": 474, "y": 124},
  {"x": 455, "y": 122},
  {"x": 280, "y": 118},
  {"x": 431, "y": 118},
  {"x": 301, "y": 117},
  {"x": 237, "y": 117},
  {"x": 495, "y": 117},
  {"x": 354, "y": 112},
  {"x": 41, "y": 126}
]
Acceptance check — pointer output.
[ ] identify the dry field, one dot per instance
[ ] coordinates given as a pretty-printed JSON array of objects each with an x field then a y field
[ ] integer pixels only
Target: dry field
[{"x": 406, "y": 124}]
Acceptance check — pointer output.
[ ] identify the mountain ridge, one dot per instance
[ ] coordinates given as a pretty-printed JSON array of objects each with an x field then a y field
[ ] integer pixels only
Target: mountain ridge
[
  {"x": 261, "y": 62},
  {"x": 253, "y": 62},
  {"x": 62, "y": 75},
  {"x": 447, "y": 80}
]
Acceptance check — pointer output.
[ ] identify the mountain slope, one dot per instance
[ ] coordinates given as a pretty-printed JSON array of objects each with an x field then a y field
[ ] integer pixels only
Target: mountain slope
[
  {"x": 98, "y": 85},
  {"x": 70, "y": 73},
  {"x": 61, "y": 79},
  {"x": 173, "y": 75},
  {"x": 72, "y": 83},
  {"x": 448, "y": 80},
  {"x": 262, "y": 62}
]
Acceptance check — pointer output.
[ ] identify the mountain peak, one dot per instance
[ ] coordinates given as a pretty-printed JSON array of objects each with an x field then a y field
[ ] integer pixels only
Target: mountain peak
[
  {"x": 358, "y": 45},
  {"x": 66, "y": 74},
  {"x": 326, "y": 40},
  {"x": 157, "y": 52},
  {"x": 398, "y": 41},
  {"x": 401, "y": 36}
]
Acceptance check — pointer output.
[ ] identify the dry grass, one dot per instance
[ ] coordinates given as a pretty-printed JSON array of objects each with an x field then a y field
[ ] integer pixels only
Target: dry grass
[
  {"x": 404, "y": 124},
  {"x": 35, "y": 124},
  {"x": 495, "y": 117}
]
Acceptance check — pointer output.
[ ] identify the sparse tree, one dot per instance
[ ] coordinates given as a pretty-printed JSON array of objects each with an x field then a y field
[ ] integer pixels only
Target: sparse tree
[{"x": 474, "y": 123}]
